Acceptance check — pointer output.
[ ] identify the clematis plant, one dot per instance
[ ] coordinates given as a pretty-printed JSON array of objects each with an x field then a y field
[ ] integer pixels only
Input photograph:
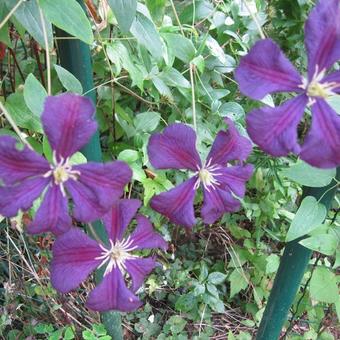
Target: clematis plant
[
  {"x": 68, "y": 122},
  {"x": 76, "y": 255},
  {"x": 175, "y": 148},
  {"x": 266, "y": 69}
]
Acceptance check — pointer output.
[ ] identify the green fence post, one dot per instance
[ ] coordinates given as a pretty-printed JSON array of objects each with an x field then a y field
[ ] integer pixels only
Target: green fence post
[
  {"x": 75, "y": 56},
  {"x": 293, "y": 265}
]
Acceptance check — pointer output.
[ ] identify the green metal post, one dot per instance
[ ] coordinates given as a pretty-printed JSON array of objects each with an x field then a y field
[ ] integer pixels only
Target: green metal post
[
  {"x": 288, "y": 278},
  {"x": 75, "y": 56}
]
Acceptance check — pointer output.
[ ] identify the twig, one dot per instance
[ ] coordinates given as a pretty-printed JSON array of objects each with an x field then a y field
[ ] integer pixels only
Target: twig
[
  {"x": 14, "y": 125},
  {"x": 193, "y": 96},
  {"x": 176, "y": 16},
  {"x": 10, "y": 13},
  {"x": 48, "y": 61},
  {"x": 259, "y": 28}
]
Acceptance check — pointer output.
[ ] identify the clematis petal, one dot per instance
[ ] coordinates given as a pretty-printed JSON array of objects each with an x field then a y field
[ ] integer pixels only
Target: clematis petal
[
  {"x": 21, "y": 196},
  {"x": 138, "y": 268},
  {"x": 74, "y": 258},
  {"x": 52, "y": 214},
  {"x": 177, "y": 204},
  {"x": 112, "y": 294},
  {"x": 86, "y": 207},
  {"x": 274, "y": 130},
  {"x": 144, "y": 236},
  {"x": 232, "y": 180},
  {"x": 229, "y": 145},
  {"x": 19, "y": 163},
  {"x": 322, "y": 144},
  {"x": 265, "y": 69},
  {"x": 216, "y": 203},
  {"x": 119, "y": 217},
  {"x": 175, "y": 148},
  {"x": 106, "y": 180},
  {"x": 97, "y": 188},
  {"x": 68, "y": 122},
  {"x": 322, "y": 36},
  {"x": 335, "y": 79}
]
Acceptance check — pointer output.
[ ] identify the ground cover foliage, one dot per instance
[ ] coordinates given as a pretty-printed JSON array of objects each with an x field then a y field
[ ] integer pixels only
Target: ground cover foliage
[{"x": 172, "y": 61}]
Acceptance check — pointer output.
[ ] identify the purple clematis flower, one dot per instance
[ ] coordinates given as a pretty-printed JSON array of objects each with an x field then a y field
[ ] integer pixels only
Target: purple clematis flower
[
  {"x": 75, "y": 256},
  {"x": 266, "y": 69},
  {"x": 175, "y": 148},
  {"x": 68, "y": 121}
]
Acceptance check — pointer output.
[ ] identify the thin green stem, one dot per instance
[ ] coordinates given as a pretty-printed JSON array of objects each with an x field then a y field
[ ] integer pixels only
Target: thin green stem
[
  {"x": 193, "y": 96},
  {"x": 3, "y": 22},
  {"x": 48, "y": 61},
  {"x": 14, "y": 125}
]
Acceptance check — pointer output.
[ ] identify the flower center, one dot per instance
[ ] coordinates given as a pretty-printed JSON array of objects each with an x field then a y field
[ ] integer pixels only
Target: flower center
[
  {"x": 62, "y": 171},
  {"x": 116, "y": 256},
  {"x": 317, "y": 88},
  {"x": 207, "y": 176}
]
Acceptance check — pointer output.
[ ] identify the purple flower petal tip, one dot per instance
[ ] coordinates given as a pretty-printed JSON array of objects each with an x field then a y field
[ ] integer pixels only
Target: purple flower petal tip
[
  {"x": 18, "y": 163},
  {"x": 322, "y": 144},
  {"x": 112, "y": 294},
  {"x": 175, "y": 148},
  {"x": 229, "y": 146},
  {"x": 68, "y": 121},
  {"x": 177, "y": 204},
  {"x": 265, "y": 69},
  {"x": 275, "y": 129}
]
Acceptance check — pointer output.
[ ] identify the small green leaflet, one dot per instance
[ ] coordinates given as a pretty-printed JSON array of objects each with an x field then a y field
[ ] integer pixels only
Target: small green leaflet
[
  {"x": 34, "y": 95},
  {"x": 310, "y": 215},
  {"x": 323, "y": 243},
  {"x": 68, "y": 80},
  {"x": 125, "y": 12},
  {"x": 323, "y": 286},
  {"x": 309, "y": 176},
  {"x": 147, "y": 121},
  {"x": 27, "y": 14},
  {"x": 144, "y": 30},
  {"x": 69, "y": 16},
  {"x": 21, "y": 114},
  {"x": 179, "y": 46}
]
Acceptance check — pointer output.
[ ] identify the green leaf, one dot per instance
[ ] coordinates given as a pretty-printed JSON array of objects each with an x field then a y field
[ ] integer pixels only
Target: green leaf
[
  {"x": 199, "y": 63},
  {"x": 212, "y": 289},
  {"x": 69, "y": 16},
  {"x": 147, "y": 121},
  {"x": 147, "y": 35},
  {"x": 125, "y": 12},
  {"x": 309, "y": 176},
  {"x": 34, "y": 95},
  {"x": 156, "y": 8},
  {"x": 237, "y": 282},
  {"x": 68, "y": 80},
  {"x": 21, "y": 114},
  {"x": 323, "y": 243},
  {"x": 27, "y": 14},
  {"x": 126, "y": 60},
  {"x": 185, "y": 303},
  {"x": 174, "y": 78},
  {"x": 162, "y": 88},
  {"x": 232, "y": 110},
  {"x": 309, "y": 216},
  {"x": 323, "y": 286},
  {"x": 273, "y": 262},
  {"x": 334, "y": 102},
  {"x": 216, "y": 278},
  {"x": 179, "y": 46}
]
